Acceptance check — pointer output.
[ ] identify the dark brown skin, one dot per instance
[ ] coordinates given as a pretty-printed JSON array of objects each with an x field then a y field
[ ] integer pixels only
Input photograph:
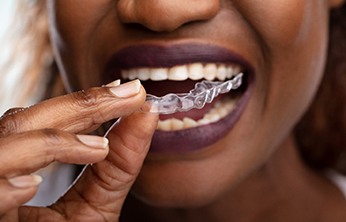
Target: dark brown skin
[
  {"x": 50, "y": 136},
  {"x": 257, "y": 179}
]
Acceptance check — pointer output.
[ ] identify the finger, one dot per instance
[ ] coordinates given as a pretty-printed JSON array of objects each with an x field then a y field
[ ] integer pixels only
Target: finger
[
  {"x": 104, "y": 186},
  {"x": 13, "y": 111},
  {"x": 77, "y": 111},
  {"x": 27, "y": 152},
  {"x": 17, "y": 191}
]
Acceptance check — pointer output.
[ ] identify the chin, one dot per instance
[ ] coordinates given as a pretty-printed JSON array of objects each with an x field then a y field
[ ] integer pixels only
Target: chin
[
  {"x": 190, "y": 182},
  {"x": 180, "y": 197}
]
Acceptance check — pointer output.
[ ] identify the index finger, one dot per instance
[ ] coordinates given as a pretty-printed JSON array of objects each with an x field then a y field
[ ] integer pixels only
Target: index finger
[{"x": 77, "y": 111}]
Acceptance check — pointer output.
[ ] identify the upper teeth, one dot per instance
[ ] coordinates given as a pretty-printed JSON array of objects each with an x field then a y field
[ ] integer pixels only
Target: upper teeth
[{"x": 195, "y": 71}]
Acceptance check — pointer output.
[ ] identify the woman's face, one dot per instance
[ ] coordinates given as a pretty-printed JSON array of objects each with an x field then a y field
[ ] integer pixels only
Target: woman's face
[{"x": 279, "y": 45}]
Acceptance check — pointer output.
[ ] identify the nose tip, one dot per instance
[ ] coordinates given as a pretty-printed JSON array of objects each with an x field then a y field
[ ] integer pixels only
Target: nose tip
[{"x": 166, "y": 15}]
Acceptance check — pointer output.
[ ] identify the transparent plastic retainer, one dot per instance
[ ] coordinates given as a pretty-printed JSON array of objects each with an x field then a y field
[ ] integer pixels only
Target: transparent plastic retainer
[{"x": 204, "y": 92}]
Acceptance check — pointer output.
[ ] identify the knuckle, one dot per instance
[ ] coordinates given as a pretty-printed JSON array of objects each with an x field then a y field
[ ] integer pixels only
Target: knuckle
[
  {"x": 13, "y": 111},
  {"x": 87, "y": 98},
  {"x": 52, "y": 137},
  {"x": 8, "y": 125}
]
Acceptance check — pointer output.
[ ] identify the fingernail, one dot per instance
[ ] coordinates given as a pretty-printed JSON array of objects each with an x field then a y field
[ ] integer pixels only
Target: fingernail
[
  {"x": 127, "y": 89},
  {"x": 149, "y": 107},
  {"x": 25, "y": 181},
  {"x": 114, "y": 83},
  {"x": 93, "y": 141}
]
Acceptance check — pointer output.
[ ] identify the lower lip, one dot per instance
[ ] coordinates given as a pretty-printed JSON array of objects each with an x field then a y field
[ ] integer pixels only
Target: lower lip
[{"x": 198, "y": 138}]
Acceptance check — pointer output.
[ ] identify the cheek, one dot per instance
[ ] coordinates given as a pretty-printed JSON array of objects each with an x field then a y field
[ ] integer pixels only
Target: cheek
[
  {"x": 281, "y": 23},
  {"x": 73, "y": 25},
  {"x": 73, "y": 20},
  {"x": 297, "y": 50}
]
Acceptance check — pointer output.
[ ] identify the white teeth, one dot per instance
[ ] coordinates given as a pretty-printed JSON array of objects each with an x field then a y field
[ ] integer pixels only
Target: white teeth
[
  {"x": 195, "y": 71},
  {"x": 229, "y": 72},
  {"x": 158, "y": 74},
  {"x": 221, "y": 72},
  {"x": 132, "y": 74},
  {"x": 210, "y": 72},
  {"x": 143, "y": 74},
  {"x": 219, "y": 111},
  {"x": 189, "y": 123},
  {"x": 165, "y": 125},
  {"x": 177, "y": 124},
  {"x": 178, "y": 73}
]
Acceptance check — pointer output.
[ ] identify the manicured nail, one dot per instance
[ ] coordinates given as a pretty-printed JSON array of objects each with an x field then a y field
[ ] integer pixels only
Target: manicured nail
[
  {"x": 93, "y": 141},
  {"x": 114, "y": 83},
  {"x": 127, "y": 89},
  {"x": 25, "y": 181}
]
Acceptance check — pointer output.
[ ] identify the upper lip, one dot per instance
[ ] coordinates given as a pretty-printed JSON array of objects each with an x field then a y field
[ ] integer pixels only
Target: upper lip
[{"x": 158, "y": 55}]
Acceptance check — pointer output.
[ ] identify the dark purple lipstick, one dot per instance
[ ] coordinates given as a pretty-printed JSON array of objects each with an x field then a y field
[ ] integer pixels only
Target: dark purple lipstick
[{"x": 154, "y": 56}]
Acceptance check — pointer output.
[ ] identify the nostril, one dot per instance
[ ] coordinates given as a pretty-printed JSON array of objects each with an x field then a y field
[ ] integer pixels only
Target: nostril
[{"x": 166, "y": 15}]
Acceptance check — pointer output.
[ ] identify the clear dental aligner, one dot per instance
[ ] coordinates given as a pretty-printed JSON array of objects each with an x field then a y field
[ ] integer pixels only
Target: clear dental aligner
[{"x": 204, "y": 92}]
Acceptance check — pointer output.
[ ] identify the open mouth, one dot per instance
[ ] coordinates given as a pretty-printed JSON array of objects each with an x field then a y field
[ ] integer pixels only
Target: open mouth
[
  {"x": 195, "y": 129},
  {"x": 181, "y": 79}
]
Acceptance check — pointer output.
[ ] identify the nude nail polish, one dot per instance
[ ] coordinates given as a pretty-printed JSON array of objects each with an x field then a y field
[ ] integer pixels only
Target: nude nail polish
[
  {"x": 126, "y": 90},
  {"x": 25, "y": 181}
]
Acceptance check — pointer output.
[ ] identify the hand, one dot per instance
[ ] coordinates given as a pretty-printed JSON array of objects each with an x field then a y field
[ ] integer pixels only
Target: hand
[{"x": 50, "y": 131}]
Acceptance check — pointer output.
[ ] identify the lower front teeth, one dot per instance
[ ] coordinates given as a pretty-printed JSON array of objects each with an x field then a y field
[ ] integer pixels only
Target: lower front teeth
[{"x": 219, "y": 111}]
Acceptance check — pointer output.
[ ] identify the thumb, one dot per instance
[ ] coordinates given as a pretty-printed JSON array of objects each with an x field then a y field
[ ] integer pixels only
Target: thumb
[{"x": 104, "y": 186}]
